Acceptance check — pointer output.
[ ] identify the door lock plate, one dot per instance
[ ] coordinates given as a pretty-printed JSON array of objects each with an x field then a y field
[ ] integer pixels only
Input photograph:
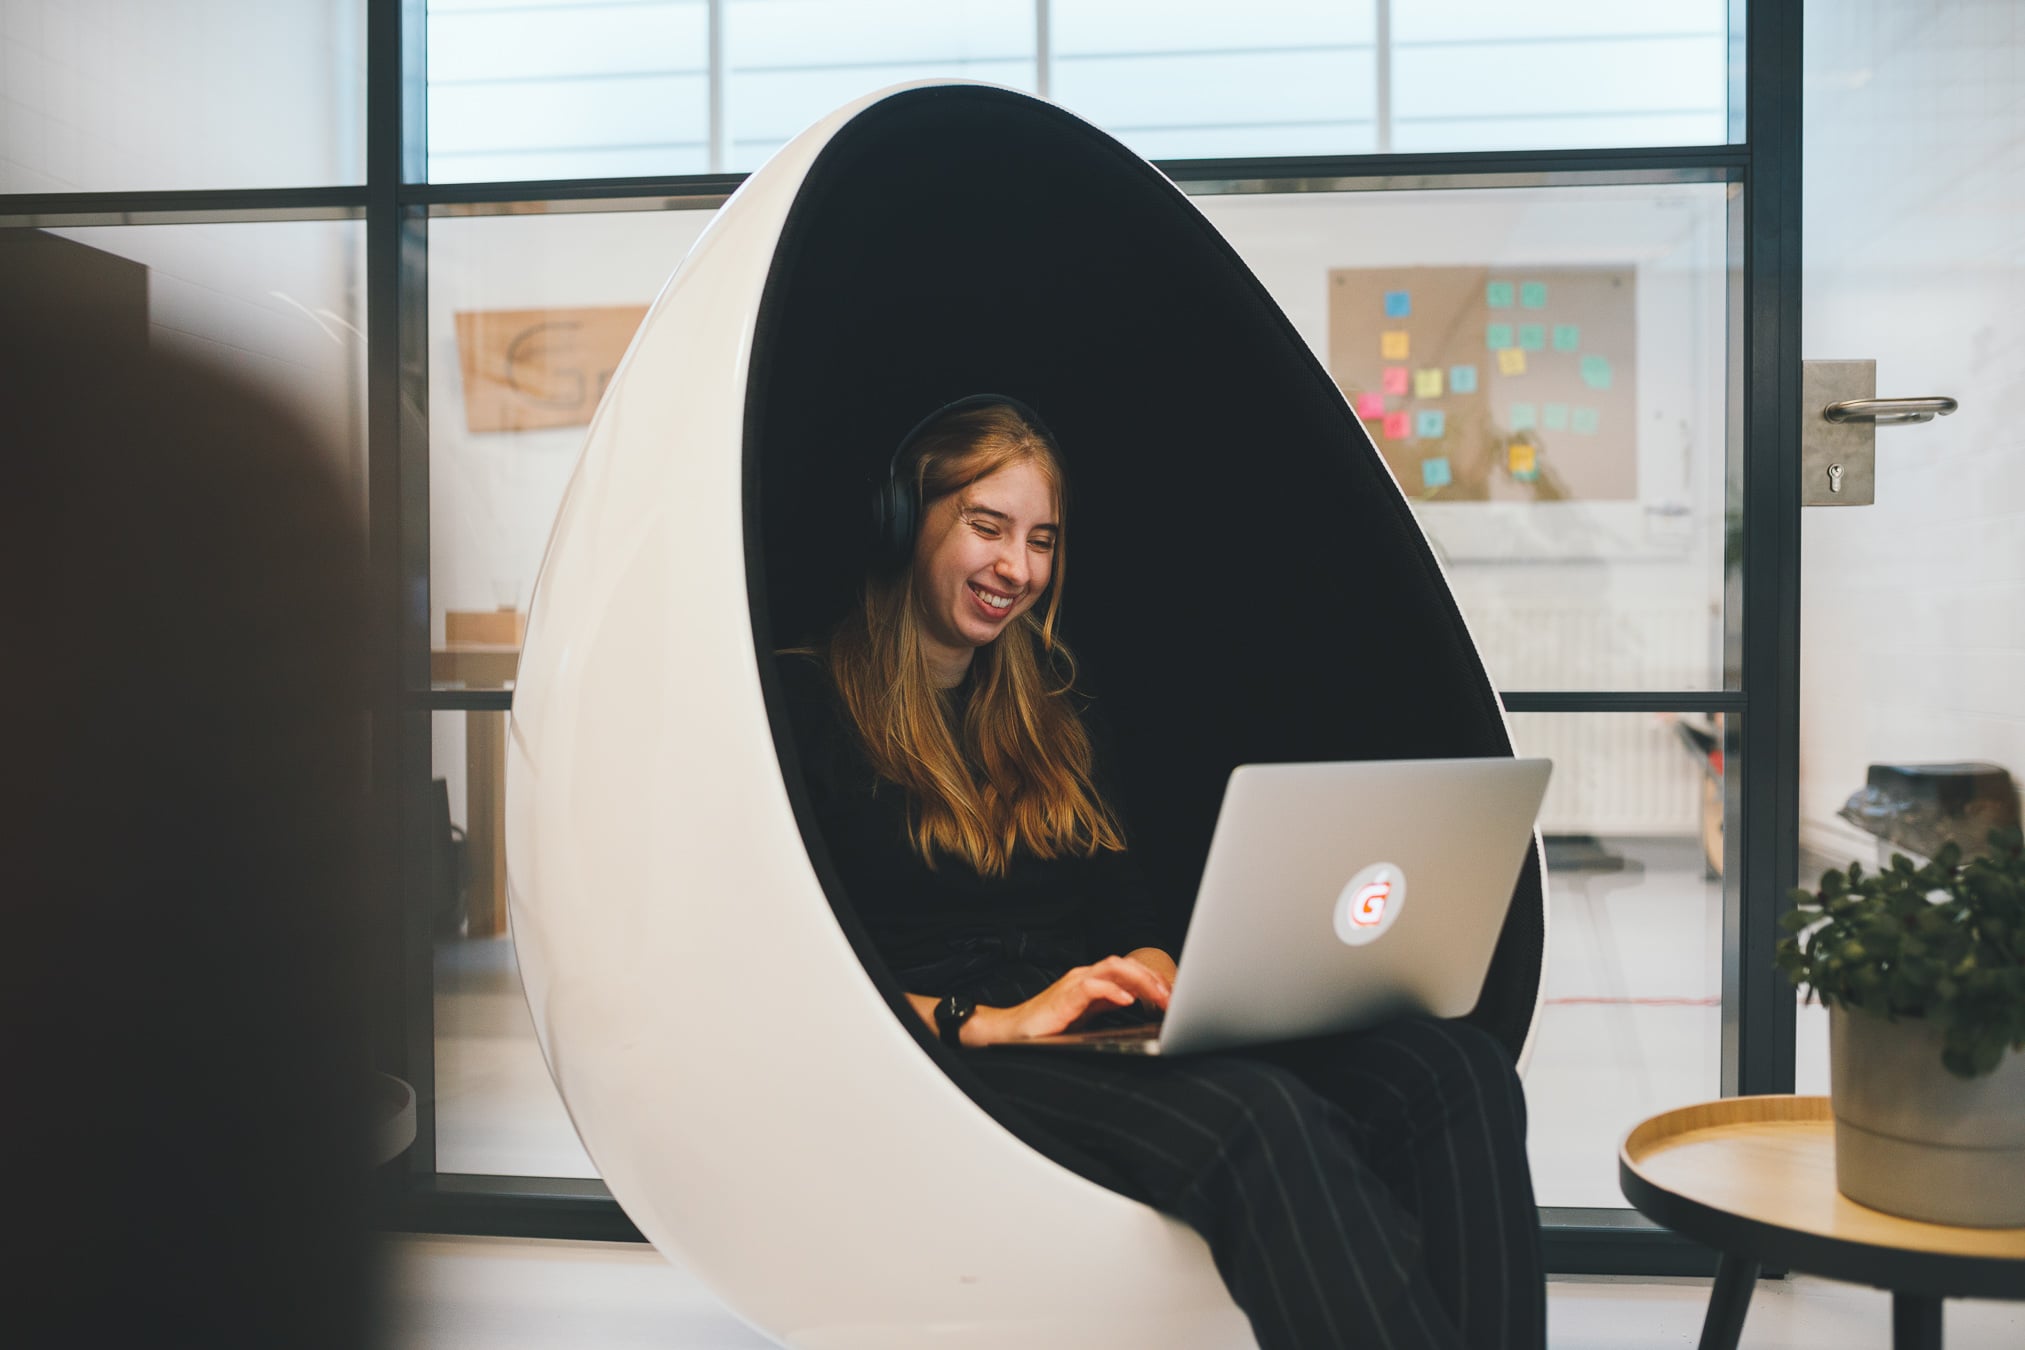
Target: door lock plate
[{"x": 1838, "y": 460}]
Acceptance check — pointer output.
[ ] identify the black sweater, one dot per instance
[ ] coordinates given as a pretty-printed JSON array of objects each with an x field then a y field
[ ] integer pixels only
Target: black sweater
[{"x": 947, "y": 929}]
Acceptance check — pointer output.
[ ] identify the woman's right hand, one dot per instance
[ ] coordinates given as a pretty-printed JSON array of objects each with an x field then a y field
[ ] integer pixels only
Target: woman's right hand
[{"x": 1112, "y": 983}]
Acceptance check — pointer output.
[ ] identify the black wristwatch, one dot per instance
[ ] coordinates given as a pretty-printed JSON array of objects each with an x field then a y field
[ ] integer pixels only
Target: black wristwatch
[{"x": 950, "y": 1015}]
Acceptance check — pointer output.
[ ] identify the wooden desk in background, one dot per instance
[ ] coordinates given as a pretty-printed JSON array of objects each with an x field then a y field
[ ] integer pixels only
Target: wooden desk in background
[{"x": 482, "y": 651}]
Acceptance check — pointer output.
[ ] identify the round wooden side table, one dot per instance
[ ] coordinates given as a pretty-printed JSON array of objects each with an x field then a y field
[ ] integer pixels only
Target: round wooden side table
[{"x": 1754, "y": 1178}]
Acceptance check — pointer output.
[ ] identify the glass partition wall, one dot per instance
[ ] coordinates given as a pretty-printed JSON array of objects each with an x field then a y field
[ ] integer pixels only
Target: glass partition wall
[{"x": 1557, "y": 300}]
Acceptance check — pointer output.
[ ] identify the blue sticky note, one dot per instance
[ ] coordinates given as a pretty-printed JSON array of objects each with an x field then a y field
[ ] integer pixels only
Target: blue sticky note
[
  {"x": 1462, "y": 379},
  {"x": 1554, "y": 416},
  {"x": 1498, "y": 336},
  {"x": 1583, "y": 421},
  {"x": 1524, "y": 417},
  {"x": 1596, "y": 372},
  {"x": 1498, "y": 294},
  {"x": 1533, "y": 295},
  {"x": 1532, "y": 337},
  {"x": 1429, "y": 422},
  {"x": 1434, "y": 472},
  {"x": 1398, "y": 304},
  {"x": 1567, "y": 337}
]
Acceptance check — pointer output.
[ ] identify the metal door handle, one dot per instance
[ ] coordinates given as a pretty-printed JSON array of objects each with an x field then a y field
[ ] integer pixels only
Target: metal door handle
[{"x": 1889, "y": 412}]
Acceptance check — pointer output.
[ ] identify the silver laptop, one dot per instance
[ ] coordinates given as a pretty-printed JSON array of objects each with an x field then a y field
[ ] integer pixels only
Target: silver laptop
[{"x": 1338, "y": 895}]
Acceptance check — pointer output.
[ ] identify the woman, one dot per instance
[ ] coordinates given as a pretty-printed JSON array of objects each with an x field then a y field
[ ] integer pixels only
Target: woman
[{"x": 1360, "y": 1189}]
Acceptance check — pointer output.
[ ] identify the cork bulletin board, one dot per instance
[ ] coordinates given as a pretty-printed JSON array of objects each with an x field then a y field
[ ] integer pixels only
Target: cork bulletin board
[{"x": 1493, "y": 384}]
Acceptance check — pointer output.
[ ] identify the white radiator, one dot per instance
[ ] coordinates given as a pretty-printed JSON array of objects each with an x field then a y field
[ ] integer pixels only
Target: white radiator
[{"x": 1614, "y": 773}]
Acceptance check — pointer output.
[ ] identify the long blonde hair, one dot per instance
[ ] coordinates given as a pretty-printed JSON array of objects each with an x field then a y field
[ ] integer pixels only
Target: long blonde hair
[{"x": 1017, "y": 772}]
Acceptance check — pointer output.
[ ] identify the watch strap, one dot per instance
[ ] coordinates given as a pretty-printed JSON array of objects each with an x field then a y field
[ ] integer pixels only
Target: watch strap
[{"x": 950, "y": 1015}]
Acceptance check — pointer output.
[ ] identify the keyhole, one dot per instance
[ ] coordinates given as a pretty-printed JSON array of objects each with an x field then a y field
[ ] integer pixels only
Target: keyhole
[{"x": 1835, "y": 478}]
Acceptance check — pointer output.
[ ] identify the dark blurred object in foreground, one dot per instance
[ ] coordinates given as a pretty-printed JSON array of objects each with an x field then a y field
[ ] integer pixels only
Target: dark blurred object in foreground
[{"x": 182, "y": 1012}]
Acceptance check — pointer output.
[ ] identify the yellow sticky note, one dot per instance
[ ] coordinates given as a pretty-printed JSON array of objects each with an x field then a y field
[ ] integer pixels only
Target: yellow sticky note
[
  {"x": 1427, "y": 384},
  {"x": 1512, "y": 361},
  {"x": 1522, "y": 457},
  {"x": 1392, "y": 344}
]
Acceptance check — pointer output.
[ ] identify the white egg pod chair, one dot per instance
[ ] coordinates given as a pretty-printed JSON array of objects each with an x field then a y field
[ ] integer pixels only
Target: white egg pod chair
[{"x": 742, "y": 1069}]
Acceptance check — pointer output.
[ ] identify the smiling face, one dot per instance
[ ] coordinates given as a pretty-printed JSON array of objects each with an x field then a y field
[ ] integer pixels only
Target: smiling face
[{"x": 984, "y": 556}]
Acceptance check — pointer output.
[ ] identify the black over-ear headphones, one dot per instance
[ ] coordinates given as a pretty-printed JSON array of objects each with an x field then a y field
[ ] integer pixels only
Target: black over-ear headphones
[{"x": 896, "y": 503}]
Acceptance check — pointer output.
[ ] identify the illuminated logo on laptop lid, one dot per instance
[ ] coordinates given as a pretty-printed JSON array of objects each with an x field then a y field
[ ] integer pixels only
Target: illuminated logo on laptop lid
[{"x": 1370, "y": 903}]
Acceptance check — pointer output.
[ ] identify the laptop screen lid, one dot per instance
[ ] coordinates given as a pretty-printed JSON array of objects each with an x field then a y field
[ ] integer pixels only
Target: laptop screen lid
[{"x": 1336, "y": 894}]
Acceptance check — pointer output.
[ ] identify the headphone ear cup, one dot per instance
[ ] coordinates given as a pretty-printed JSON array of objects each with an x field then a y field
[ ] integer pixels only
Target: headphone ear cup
[{"x": 893, "y": 524}]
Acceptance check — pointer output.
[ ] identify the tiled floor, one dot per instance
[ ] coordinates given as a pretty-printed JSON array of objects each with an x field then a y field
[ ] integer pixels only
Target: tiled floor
[{"x": 514, "y": 1294}]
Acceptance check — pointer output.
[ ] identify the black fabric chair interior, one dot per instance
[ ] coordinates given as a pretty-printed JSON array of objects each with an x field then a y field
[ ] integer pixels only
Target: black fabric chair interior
[{"x": 1243, "y": 582}]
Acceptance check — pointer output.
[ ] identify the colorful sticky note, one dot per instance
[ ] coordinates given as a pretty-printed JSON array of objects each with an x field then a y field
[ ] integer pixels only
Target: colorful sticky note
[
  {"x": 1434, "y": 472},
  {"x": 1462, "y": 379},
  {"x": 1393, "y": 379},
  {"x": 1498, "y": 294},
  {"x": 1430, "y": 422},
  {"x": 1583, "y": 421},
  {"x": 1521, "y": 458},
  {"x": 1554, "y": 416},
  {"x": 1371, "y": 405},
  {"x": 1392, "y": 344},
  {"x": 1524, "y": 417},
  {"x": 1427, "y": 384},
  {"x": 1567, "y": 337},
  {"x": 1511, "y": 361},
  {"x": 1398, "y": 304},
  {"x": 1596, "y": 372},
  {"x": 1398, "y": 426},
  {"x": 1533, "y": 295},
  {"x": 1532, "y": 337},
  {"x": 1498, "y": 336}
]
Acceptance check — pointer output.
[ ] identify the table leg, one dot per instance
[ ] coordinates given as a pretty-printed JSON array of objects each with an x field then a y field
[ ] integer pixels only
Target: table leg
[
  {"x": 484, "y": 820},
  {"x": 1728, "y": 1302},
  {"x": 1915, "y": 1322}
]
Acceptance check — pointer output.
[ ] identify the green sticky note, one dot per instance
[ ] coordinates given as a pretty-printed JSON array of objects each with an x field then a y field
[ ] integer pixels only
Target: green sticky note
[
  {"x": 1532, "y": 337},
  {"x": 1498, "y": 336},
  {"x": 1567, "y": 337},
  {"x": 1596, "y": 372},
  {"x": 1583, "y": 421},
  {"x": 1524, "y": 417},
  {"x": 1554, "y": 416},
  {"x": 1533, "y": 295},
  {"x": 1498, "y": 294}
]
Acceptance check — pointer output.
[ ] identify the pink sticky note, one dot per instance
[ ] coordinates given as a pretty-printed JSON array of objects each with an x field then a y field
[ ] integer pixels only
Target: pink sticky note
[
  {"x": 1398, "y": 426},
  {"x": 1371, "y": 405},
  {"x": 1394, "y": 379}
]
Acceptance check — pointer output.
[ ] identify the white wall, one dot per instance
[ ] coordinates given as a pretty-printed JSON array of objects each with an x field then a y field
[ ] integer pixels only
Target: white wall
[
  {"x": 1913, "y": 610},
  {"x": 109, "y": 95}
]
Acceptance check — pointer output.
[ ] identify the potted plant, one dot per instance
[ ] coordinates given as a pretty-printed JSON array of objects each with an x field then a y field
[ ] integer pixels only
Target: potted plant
[{"x": 1922, "y": 969}]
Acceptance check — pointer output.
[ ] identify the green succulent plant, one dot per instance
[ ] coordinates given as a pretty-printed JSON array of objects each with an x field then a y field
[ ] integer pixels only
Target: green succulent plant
[{"x": 1944, "y": 942}]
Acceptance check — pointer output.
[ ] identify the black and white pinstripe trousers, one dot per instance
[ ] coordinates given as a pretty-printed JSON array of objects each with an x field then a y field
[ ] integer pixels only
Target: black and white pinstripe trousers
[{"x": 1368, "y": 1189}]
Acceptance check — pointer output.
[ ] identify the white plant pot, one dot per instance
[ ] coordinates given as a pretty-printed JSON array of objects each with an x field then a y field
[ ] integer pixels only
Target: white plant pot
[{"x": 1912, "y": 1139}]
